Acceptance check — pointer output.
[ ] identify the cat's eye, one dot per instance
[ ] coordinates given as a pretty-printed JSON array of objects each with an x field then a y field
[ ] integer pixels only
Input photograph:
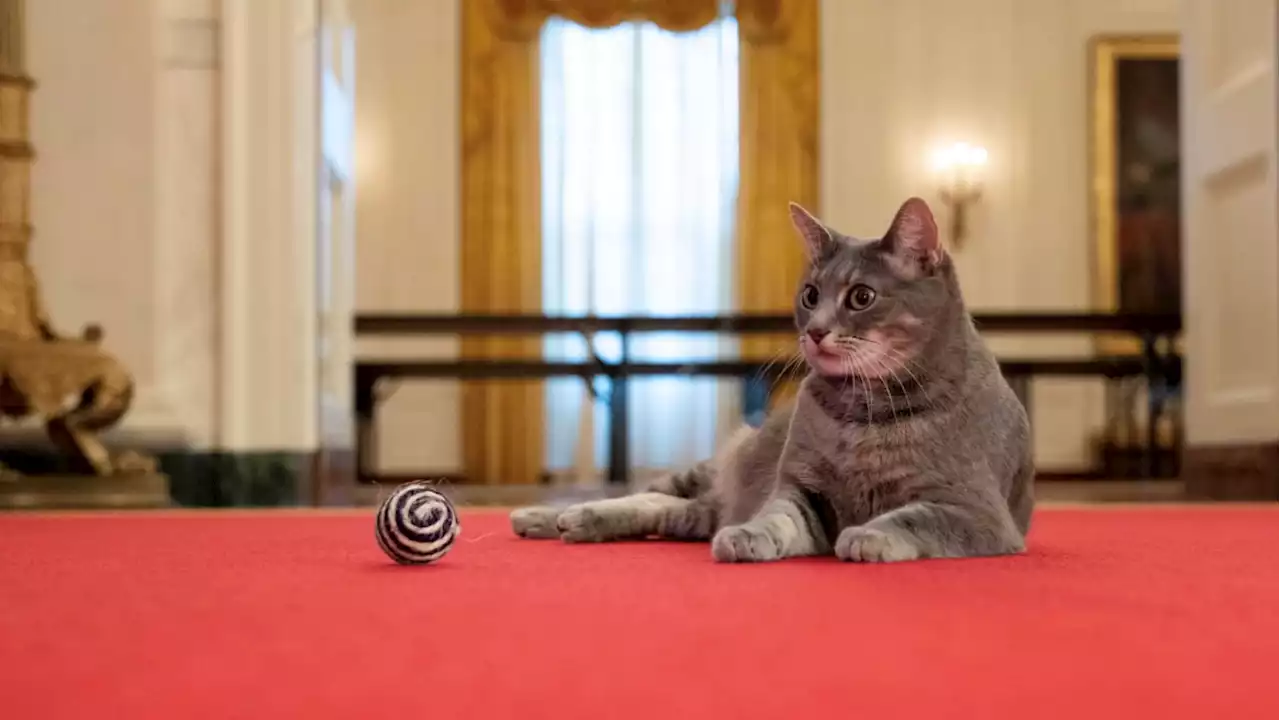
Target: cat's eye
[
  {"x": 809, "y": 297},
  {"x": 859, "y": 297}
]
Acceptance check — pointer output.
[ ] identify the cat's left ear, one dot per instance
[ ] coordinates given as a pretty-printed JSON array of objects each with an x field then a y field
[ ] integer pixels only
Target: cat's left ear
[
  {"x": 912, "y": 240},
  {"x": 817, "y": 238}
]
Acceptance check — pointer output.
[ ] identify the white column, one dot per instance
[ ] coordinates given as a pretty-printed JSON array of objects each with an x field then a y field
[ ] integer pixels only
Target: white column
[
  {"x": 268, "y": 356},
  {"x": 182, "y": 397}
]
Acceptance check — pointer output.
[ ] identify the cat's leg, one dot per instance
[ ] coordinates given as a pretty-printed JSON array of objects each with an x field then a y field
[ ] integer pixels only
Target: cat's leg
[
  {"x": 638, "y": 516},
  {"x": 694, "y": 520},
  {"x": 691, "y": 482},
  {"x": 932, "y": 530},
  {"x": 786, "y": 526}
]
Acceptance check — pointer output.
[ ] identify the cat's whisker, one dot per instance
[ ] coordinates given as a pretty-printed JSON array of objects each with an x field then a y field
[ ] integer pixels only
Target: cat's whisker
[
  {"x": 846, "y": 382},
  {"x": 793, "y": 363},
  {"x": 861, "y": 376},
  {"x": 895, "y": 352},
  {"x": 905, "y": 393},
  {"x": 847, "y": 364},
  {"x": 893, "y": 410},
  {"x": 778, "y": 356},
  {"x": 893, "y": 373},
  {"x": 792, "y": 359},
  {"x": 905, "y": 364},
  {"x": 774, "y": 359},
  {"x": 866, "y": 390},
  {"x": 851, "y": 377},
  {"x": 859, "y": 351},
  {"x": 881, "y": 369},
  {"x": 940, "y": 391}
]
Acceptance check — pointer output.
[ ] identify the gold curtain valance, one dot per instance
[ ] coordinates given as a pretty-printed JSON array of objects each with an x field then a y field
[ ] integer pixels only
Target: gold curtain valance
[{"x": 522, "y": 19}]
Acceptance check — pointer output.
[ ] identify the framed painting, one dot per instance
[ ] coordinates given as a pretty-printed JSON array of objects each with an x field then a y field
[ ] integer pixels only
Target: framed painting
[{"x": 1136, "y": 204}]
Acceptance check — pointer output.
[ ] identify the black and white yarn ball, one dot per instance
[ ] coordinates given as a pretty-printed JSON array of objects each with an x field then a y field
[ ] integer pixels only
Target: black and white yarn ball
[{"x": 417, "y": 524}]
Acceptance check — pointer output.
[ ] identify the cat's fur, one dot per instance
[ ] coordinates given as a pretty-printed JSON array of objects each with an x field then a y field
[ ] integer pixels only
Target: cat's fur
[{"x": 903, "y": 442}]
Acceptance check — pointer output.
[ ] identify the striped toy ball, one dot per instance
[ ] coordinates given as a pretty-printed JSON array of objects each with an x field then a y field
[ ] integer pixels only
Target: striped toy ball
[{"x": 417, "y": 524}]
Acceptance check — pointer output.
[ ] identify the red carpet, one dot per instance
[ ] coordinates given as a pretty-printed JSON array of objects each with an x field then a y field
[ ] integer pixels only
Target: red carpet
[{"x": 1156, "y": 613}]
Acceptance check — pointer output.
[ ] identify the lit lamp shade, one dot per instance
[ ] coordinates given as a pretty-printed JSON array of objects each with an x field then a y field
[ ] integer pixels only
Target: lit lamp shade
[
  {"x": 959, "y": 158},
  {"x": 959, "y": 167}
]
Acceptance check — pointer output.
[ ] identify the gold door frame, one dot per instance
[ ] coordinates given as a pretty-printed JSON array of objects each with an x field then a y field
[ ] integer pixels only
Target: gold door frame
[{"x": 1105, "y": 51}]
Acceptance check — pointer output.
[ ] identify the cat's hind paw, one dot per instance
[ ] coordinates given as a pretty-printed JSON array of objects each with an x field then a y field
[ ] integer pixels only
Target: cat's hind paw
[
  {"x": 744, "y": 543},
  {"x": 868, "y": 545}
]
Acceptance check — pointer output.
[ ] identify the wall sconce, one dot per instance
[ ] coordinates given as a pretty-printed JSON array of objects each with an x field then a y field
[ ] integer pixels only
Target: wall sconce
[{"x": 959, "y": 170}]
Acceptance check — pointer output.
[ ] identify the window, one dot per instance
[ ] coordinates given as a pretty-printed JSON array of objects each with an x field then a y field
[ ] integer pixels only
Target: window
[{"x": 640, "y": 177}]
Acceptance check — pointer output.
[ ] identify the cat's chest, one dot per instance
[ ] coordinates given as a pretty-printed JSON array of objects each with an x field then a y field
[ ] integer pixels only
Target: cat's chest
[
  {"x": 862, "y": 457},
  {"x": 861, "y": 474},
  {"x": 860, "y": 443}
]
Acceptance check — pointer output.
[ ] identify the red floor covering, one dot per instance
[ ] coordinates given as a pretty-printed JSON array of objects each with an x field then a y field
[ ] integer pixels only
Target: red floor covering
[{"x": 1135, "y": 613}]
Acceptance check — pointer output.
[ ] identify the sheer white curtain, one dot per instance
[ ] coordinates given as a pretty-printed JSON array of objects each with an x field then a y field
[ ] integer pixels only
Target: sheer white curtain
[{"x": 640, "y": 179}]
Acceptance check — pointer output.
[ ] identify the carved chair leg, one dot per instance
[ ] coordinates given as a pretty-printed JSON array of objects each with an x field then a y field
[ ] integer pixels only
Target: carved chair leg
[{"x": 84, "y": 447}]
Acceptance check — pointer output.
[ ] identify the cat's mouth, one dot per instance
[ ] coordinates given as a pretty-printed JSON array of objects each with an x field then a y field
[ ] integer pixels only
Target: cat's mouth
[
  {"x": 858, "y": 357},
  {"x": 821, "y": 351},
  {"x": 826, "y": 360}
]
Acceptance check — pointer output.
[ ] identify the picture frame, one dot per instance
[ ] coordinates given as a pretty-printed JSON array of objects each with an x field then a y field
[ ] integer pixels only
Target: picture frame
[{"x": 1135, "y": 191}]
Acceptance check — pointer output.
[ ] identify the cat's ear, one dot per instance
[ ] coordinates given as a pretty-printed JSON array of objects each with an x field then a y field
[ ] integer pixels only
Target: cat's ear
[
  {"x": 912, "y": 240},
  {"x": 816, "y": 236}
]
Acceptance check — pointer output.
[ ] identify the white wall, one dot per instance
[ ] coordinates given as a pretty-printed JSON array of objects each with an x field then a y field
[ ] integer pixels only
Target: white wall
[
  {"x": 1012, "y": 75},
  {"x": 174, "y": 203},
  {"x": 123, "y": 202},
  {"x": 407, "y": 176}
]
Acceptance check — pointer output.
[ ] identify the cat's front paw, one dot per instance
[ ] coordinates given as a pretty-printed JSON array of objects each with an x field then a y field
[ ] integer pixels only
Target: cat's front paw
[
  {"x": 744, "y": 543},
  {"x": 863, "y": 544},
  {"x": 583, "y": 523},
  {"x": 535, "y": 522}
]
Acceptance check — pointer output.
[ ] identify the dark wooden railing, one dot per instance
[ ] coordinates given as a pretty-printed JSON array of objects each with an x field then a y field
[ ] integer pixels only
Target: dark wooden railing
[
  {"x": 1158, "y": 363},
  {"x": 388, "y": 324}
]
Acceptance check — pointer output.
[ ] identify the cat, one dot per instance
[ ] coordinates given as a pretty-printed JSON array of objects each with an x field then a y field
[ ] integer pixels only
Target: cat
[{"x": 903, "y": 442}]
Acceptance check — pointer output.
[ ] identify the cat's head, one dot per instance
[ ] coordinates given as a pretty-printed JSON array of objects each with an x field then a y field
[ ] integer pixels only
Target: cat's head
[{"x": 869, "y": 307}]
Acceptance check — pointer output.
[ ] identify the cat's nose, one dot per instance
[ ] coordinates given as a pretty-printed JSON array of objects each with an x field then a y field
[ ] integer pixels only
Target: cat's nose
[{"x": 816, "y": 336}]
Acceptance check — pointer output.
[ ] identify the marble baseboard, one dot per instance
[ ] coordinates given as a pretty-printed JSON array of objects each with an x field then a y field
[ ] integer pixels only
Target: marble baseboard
[
  {"x": 63, "y": 492},
  {"x": 1232, "y": 472},
  {"x": 240, "y": 479},
  {"x": 201, "y": 478}
]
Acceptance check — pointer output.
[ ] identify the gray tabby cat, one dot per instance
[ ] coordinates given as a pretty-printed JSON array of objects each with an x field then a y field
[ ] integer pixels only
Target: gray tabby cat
[{"x": 903, "y": 442}]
